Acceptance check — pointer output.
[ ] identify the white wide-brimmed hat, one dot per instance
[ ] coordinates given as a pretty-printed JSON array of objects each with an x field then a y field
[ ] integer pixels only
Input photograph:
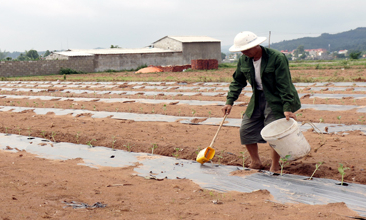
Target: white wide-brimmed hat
[{"x": 246, "y": 40}]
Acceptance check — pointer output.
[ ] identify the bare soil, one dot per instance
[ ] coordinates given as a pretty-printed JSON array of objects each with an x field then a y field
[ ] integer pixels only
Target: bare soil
[{"x": 35, "y": 188}]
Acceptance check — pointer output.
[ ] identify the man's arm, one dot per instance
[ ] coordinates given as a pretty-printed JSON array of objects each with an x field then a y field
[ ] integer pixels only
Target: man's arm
[
  {"x": 284, "y": 83},
  {"x": 235, "y": 88}
]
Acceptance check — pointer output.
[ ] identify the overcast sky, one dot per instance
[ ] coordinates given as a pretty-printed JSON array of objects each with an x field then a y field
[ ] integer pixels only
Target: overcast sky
[{"x": 86, "y": 24}]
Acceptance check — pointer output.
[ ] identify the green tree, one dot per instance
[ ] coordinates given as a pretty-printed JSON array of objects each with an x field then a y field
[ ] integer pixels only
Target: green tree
[
  {"x": 299, "y": 51},
  {"x": 21, "y": 57},
  {"x": 3, "y": 54},
  {"x": 32, "y": 54},
  {"x": 223, "y": 55},
  {"x": 355, "y": 55},
  {"x": 46, "y": 53},
  {"x": 114, "y": 46}
]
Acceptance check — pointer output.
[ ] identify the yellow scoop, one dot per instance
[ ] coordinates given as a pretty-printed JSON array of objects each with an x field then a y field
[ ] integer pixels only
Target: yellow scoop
[{"x": 208, "y": 153}]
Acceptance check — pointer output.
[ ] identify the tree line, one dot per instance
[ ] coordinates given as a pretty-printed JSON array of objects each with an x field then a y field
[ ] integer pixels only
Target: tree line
[{"x": 27, "y": 55}]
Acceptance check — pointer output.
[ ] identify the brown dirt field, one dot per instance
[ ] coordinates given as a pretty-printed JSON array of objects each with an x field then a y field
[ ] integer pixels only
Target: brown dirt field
[{"x": 35, "y": 188}]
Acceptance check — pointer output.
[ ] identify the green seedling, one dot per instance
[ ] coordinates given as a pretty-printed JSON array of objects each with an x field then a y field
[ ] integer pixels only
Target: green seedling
[
  {"x": 43, "y": 134},
  {"x": 29, "y": 131},
  {"x": 339, "y": 119},
  {"x": 94, "y": 107},
  {"x": 316, "y": 168},
  {"x": 141, "y": 109},
  {"x": 6, "y": 129},
  {"x": 198, "y": 150},
  {"x": 341, "y": 170},
  {"x": 242, "y": 114},
  {"x": 89, "y": 143},
  {"x": 128, "y": 146},
  {"x": 361, "y": 119},
  {"x": 154, "y": 146},
  {"x": 283, "y": 162},
  {"x": 77, "y": 137},
  {"x": 209, "y": 114},
  {"x": 220, "y": 157},
  {"x": 179, "y": 111},
  {"x": 243, "y": 157},
  {"x": 164, "y": 108},
  {"x": 176, "y": 154},
  {"x": 193, "y": 112},
  {"x": 19, "y": 129},
  {"x": 116, "y": 109},
  {"x": 321, "y": 120},
  {"x": 113, "y": 141},
  {"x": 314, "y": 101},
  {"x": 53, "y": 136},
  {"x": 153, "y": 110}
]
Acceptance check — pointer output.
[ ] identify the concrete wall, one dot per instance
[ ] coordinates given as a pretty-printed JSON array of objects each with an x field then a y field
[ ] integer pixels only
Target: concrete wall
[
  {"x": 132, "y": 61},
  {"x": 169, "y": 44},
  {"x": 201, "y": 50},
  {"x": 44, "y": 67}
]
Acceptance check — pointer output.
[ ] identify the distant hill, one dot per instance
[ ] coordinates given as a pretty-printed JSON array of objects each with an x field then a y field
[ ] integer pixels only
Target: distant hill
[{"x": 349, "y": 40}]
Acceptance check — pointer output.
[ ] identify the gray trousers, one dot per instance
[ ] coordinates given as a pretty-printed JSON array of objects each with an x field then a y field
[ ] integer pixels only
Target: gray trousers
[{"x": 251, "y": 127}]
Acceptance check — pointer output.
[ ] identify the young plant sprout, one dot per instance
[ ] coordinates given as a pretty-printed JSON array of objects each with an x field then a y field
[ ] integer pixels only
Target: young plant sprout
[
  {"x": 113, "y": 141},
  {"x": 321, "y": 120},
  {"x": 339, "y": 119},
  {"x": 243, "y": 157},
  {"x": 164, "y": 108},
  {"x": 43, "y": 134},
  {"x": 198, "y": 150},
  {"x": 283, "y": 162},
  {"x": 220, "y": 157},
  {"x": 154, "y": 146},
  {"x": 176, "y": 154},
  {"x": 89, "y": 143},
  {"x": 193, "y": 112},
  {"x": 128, "y": 146},
  {"x": 77, "y": 137},
  {"x": 341, "y": 170},
  {"x": 316, "y": 168},
  {"x": 53, "y": 136},
  {"x": 19, "y": 129}
]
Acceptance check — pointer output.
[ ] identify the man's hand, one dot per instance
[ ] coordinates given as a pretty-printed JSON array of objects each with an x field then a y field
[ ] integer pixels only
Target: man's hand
[
  {"x": 290, "y": 115},
  {"x": 226, "y": 109}
]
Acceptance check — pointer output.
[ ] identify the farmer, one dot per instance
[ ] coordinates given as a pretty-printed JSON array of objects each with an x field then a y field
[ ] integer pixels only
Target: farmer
[{"x": 274, "y": 95}]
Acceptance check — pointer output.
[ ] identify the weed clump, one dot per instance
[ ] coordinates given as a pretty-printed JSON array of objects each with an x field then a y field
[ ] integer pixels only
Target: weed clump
[{"x": 64, "y": 71}]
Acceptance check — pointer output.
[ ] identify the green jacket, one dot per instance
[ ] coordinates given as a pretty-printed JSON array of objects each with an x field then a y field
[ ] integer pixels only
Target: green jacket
[{"x": 278, "y": 89}]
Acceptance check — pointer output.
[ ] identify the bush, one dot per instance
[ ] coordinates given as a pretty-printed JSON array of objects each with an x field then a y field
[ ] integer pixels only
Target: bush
[{"x": 69, "y": 71}]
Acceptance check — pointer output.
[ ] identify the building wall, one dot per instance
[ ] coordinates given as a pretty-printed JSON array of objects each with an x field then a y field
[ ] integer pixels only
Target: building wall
[
  {"x": 45, "y": 67},
  {"x": 132, "y": 61},
  {"x": 169, "y": 44},
  {"x": 201, "y": 50},
  {"x": 55, "y": 56}
]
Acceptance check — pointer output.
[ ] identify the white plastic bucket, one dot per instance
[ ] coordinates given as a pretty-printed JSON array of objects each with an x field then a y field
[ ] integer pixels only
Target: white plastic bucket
[{"x": 286, "y": 138}]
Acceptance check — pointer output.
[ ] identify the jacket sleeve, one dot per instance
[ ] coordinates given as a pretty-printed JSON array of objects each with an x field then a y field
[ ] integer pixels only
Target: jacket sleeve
[
  {"x": 284, "y": 83},
  {"x": 236, "y": 86}
]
